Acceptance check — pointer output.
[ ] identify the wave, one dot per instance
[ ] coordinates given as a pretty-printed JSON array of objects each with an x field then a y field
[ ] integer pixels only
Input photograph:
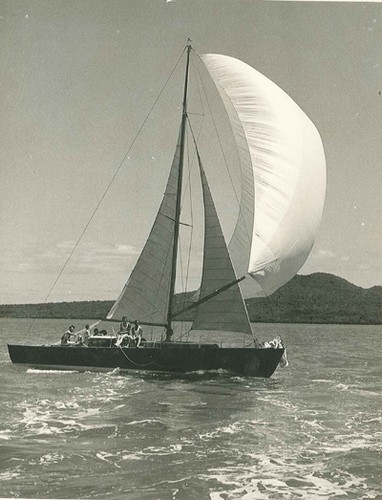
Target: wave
[
  {"x": 234, "y": 428},
  {"x": 282, "y": 479}
]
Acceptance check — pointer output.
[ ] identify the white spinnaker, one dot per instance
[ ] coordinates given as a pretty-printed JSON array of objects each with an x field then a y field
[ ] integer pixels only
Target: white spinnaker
[{"x": 282, "y": 156}]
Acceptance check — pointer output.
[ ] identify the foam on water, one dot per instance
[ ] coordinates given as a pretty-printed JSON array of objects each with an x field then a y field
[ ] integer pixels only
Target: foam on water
[
  {"x": 244, "y": 486},
  {"x": 49, "y": 372},
  {"x": 270, "y": 479},
  {"x": 8, "y": 476},
  {"x": 5, "y": 434},
  {"x": 312, "y": 431}
]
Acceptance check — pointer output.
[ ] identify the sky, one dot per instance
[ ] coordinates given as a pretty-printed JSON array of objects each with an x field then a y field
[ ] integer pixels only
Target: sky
[{"x": 77, "y": 80}]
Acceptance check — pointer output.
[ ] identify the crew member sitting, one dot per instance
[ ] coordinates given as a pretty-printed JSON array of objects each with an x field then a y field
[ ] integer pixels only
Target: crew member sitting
[
  {"x": 67, "y": 336},
  {"x": 124, "y": 340},
  {"x": 82, "y": 336},
  {"x": 124, "y": 327},
  {"x": 124, "y": 337},
  {"x": 136, "y": 333}
]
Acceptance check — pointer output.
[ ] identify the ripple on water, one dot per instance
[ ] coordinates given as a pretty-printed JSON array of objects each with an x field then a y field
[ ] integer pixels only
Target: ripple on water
[{"x": 312, "y": 431}]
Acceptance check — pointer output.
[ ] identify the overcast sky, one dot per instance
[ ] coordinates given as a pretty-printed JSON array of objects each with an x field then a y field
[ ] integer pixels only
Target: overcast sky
[{"x": 77, "y": 79}]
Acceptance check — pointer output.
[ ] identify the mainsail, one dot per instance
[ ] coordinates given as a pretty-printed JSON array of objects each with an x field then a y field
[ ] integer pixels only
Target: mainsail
[
  {"x": 146, "y": 294},
  {"x": 225, "y": 311},
  {"x": 283, "y": 176}
]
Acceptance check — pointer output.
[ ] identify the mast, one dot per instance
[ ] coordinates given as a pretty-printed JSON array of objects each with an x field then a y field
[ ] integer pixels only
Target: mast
[{"x": 178, "y": 197}]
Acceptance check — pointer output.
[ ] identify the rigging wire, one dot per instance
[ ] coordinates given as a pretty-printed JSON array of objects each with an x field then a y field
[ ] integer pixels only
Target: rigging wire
[
  {"x": 110, "y": 183},
  {"x": 115, "y": 175},
  {"x": 191, "y": 207},
  {"x": 192, "y": 162},
  {"x": 191, "y": 213},
  {"x": 191, "y": 165},
  {"x": 184, "y": 277},
  {"x": 217, "y": 132},
  {"x": 188, "y": 187},
  {"x": 180, "y": 246},
  {"x": 220, "y": 142},
  {"x": 248, "y": 232}
]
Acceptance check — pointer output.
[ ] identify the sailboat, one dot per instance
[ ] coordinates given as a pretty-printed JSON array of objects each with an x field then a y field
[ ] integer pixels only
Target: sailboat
[{"x": 283, "y": 181}]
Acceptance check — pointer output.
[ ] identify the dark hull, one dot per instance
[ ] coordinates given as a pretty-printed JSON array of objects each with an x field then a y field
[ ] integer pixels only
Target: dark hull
[{"x": 166, "y": 358}]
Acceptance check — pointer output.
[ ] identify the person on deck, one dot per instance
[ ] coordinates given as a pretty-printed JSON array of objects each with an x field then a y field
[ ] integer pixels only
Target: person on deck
[
  {"x": 82, "y": 337},
  {"x": 67, "y": 335},
  {"x": 124, "y": 340},
  {"x": 124, "y": 327},
  {"x": 136, "y": 333},
  {"x": 169, "y": 334},
  {"x": 124, "y": 337},
  {"x": 86, "y": 333}
]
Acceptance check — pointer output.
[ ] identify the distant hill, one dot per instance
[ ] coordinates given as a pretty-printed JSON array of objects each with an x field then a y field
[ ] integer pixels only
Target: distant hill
[
  {"x": 319, "y": 298},
  {"x": 316, "y": 298}
]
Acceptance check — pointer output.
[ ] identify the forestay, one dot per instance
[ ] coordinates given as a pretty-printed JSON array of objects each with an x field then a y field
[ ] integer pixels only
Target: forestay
[{"x": 283, "y": 176}]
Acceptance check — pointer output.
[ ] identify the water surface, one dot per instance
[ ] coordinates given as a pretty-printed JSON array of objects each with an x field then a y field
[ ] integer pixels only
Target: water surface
[{"x": 312, "y": 431}]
